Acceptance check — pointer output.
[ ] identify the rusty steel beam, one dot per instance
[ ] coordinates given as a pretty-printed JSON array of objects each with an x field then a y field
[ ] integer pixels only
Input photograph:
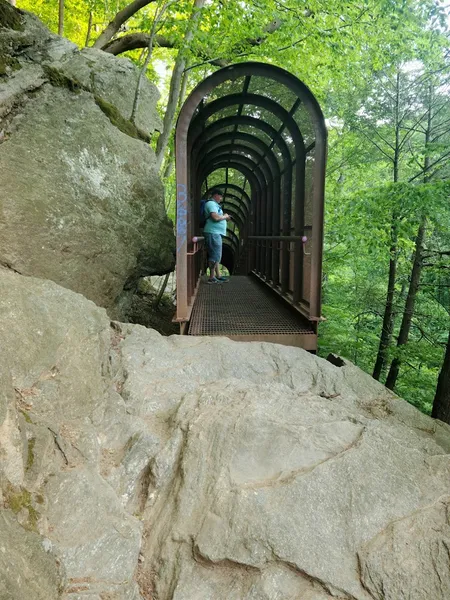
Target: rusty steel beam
[
  {"x": 263, "y": 255},
  {"x": 220, "y": 139},
  {"x": 238, "y": 189},
  {"x": 252, "y": 100},
  {"x": 247, "y": 121},
  {"x": 238, "y": 152}
]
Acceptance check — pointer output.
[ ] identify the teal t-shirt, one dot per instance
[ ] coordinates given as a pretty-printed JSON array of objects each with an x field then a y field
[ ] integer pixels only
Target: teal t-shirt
[{"x": 214, "y": 226}]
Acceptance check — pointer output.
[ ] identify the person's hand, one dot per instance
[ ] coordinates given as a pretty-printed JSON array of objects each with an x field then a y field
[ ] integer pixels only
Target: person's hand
[{"x": 227, "y": 217}]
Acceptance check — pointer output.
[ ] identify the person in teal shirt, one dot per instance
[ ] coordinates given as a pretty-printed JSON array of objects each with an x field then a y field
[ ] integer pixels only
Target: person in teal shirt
[{"x": 214, "y": 230}]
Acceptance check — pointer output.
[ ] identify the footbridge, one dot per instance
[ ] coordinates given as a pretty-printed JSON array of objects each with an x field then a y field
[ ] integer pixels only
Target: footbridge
[{"x": 257, "y": 133}]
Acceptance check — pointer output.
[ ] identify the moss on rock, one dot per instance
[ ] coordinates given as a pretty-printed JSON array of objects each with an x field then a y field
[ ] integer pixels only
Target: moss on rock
[
  {"x": 26, "y": 416},
  {"x": 120, "y": 122},
  {"x": 10, "y": 17},
  {"x": 58, "y": 79},
  {"x": 18, "y": 499},
  {"x": 8, "y": 64},
  {"x": 30, "y": 455}
]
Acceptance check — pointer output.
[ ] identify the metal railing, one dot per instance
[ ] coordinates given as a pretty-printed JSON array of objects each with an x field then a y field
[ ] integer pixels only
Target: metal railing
[{"x": 187, "y": 287}]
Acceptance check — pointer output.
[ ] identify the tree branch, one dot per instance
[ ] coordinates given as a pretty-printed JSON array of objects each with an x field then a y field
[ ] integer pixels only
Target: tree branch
[
  {"x": 436, "y": 266},
  {"x": 322, "y": 31},
  {"x": 133, "y": 41},
  {"x": 223, "y": 62},
  {"x": 158, "y": 16},
  {"x": 443, "y": 157},
  {"x": 411, "y": 130},
  {"x": 375, "y": 144},
  {"x": 120, "y": 18},
  {"x": 175, "y": 82},
  {"x": 437, "y": 252},
  {"x": 375, "y": 130}
]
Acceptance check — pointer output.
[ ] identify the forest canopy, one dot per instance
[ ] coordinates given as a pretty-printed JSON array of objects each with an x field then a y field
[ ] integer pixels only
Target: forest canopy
[{"x": 381, "y": 72}]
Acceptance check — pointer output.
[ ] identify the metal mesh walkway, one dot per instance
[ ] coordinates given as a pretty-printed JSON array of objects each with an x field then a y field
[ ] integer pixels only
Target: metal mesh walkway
[{"x": 242, "y": 309}]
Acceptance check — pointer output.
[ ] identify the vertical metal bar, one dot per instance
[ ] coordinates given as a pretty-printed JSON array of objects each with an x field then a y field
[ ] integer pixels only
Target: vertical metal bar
[
  {"x": 257, "y": 219},
  {"x": 182, "y": 297},
  {"x": 276, "y": 231},
  {"x": 252, "y": 231},
  {"x": 299, "y": 222},
  {"x": 317, "y": 226},
  {"x": 226, "y": 189},
  {"x": 191, "y": 202},
  {"x": 265, "y": 243},
  {"x": 269, "y": 221},
  {"x": 287, "y": 202},
  {"x": 262, "y": 229}
]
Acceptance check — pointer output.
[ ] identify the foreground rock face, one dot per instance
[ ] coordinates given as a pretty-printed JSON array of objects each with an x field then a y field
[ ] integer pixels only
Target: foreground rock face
[
  {"x": 81, "y": 201},
  {"x": 143, "y": 467}
]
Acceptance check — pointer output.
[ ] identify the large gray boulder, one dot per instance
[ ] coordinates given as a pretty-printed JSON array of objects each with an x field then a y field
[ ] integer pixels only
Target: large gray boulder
[
  {"x": 135, "y": 466},
  {"x": 56, "y": 443},
  {"x": 28, "y": 568},
  {"x": 289, "y": 478},
  {"x": 81, "y": 202}
]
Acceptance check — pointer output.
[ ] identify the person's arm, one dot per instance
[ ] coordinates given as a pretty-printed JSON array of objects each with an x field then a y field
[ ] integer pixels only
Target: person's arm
[{"x": 216, "y": 217}]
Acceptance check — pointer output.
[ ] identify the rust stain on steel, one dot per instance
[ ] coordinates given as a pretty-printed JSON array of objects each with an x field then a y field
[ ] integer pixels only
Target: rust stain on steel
[{"x": 182, "y": 300}]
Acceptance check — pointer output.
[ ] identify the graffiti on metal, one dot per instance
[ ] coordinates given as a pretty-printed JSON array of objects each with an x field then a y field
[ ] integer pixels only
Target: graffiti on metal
[{"x": 181, "y": 216}]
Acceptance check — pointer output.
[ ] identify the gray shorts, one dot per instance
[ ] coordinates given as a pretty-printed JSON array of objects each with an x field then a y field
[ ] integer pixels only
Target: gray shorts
[{"x": 214, "y": 247}]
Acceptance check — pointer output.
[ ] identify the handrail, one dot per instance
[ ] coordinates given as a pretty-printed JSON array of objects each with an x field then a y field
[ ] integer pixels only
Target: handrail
[
  {"x": 280, "y": 238},
  {"x": 283, "y": 238},
  {"x": 197, "y": 241}
]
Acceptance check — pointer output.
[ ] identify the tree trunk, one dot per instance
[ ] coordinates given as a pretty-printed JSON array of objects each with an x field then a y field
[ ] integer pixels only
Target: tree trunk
[
  {"x": 61, "y": 18},
  {"x": 156, "y": 20},
  {"x": 388, "y": 317},
  {"x": 183, "y": 89},
  {"x": 170, "y": 162},
  {"x": 89, "y": 29},
  {"x": 139, "y": 83},
  {"x": 175, "y": 84},
  {"x": 441, "y": 404},
  {"x": 161, "y": 291},
  {"x": 409, "y": 305},
  {"x": 417, "y": 263},
  {"x": 120, "y": 18}
]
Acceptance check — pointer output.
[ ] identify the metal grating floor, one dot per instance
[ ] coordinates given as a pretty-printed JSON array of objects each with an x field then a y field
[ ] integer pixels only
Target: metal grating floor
[{"x": 242, "y": 307}]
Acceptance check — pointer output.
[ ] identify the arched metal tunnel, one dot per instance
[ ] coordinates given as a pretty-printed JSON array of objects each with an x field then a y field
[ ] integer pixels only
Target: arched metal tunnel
[{"x": 256, "y": 132}]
